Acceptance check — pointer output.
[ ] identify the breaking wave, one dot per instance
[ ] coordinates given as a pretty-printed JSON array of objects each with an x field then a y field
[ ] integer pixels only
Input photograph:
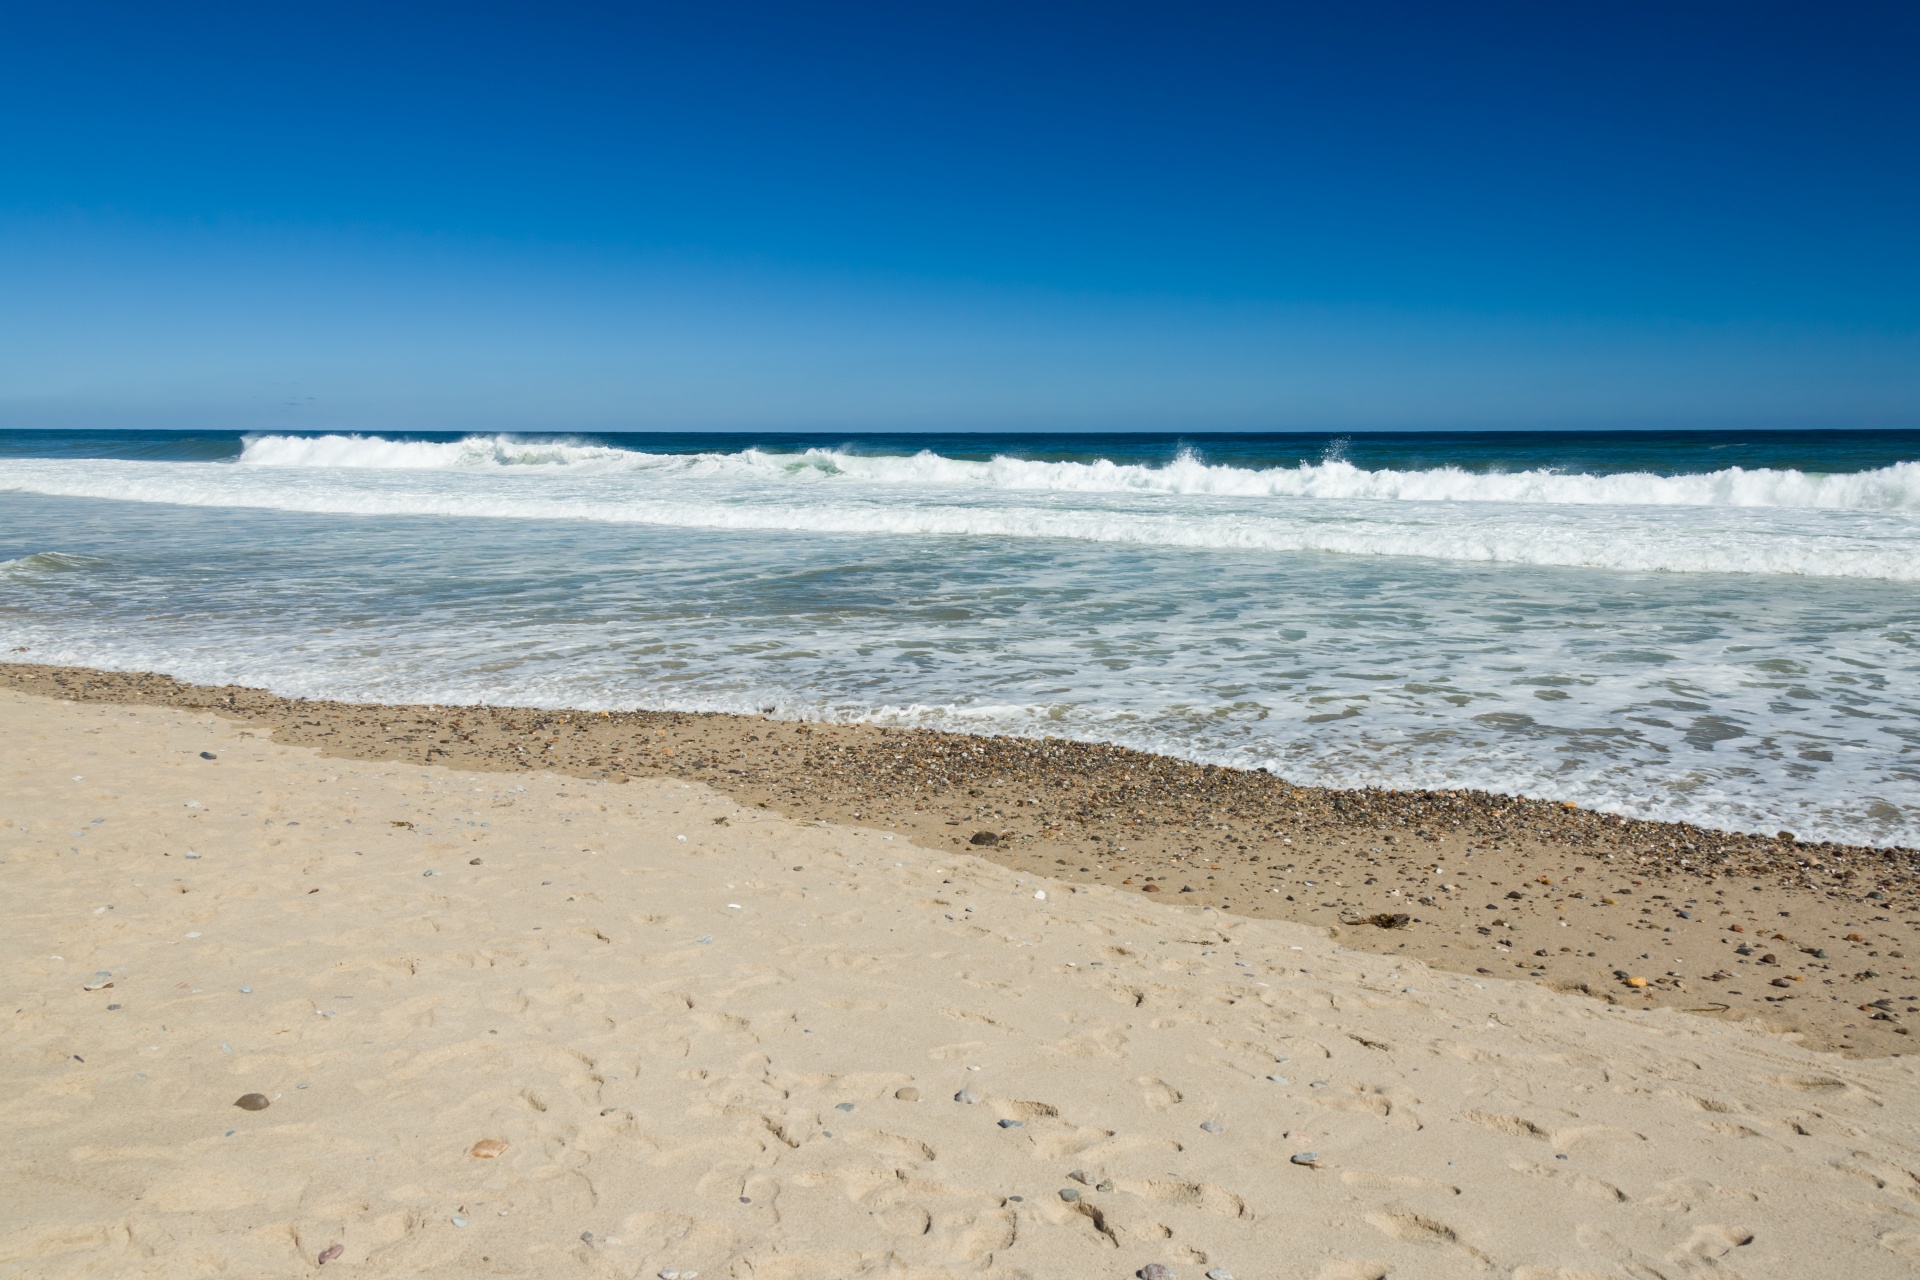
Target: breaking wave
[{"x": 1893, "y": 488}]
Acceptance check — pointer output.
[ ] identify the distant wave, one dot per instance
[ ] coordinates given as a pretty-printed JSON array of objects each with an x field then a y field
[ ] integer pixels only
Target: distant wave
[
  {"x": 1894, "y": 488},
  {"x": 375, "y": 453}
]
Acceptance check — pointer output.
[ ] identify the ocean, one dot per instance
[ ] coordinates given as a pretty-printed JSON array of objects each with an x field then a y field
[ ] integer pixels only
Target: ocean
[{"x": 1721, "y": 627}]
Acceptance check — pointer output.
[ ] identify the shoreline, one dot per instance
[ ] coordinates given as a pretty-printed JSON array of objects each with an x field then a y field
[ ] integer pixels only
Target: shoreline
[{"x": 1819, "y": 939}]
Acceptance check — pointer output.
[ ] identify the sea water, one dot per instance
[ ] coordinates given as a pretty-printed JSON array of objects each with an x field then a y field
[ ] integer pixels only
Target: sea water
[{"x": 1720, "y": 627}]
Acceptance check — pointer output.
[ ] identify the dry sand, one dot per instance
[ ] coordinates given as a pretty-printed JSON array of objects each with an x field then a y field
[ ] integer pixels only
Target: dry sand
[{"x": 713, "y": 1039}]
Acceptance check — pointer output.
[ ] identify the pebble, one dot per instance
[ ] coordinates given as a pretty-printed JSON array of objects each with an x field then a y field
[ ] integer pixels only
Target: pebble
[
  {"x": 208, "y": 755},
  {"x": 1278, "y": 1079},
  {"x": 843, "y": 1106},
  {"x": 329, "y": 1253},
  {"x": 252, "y": 1102},
  {"x": 487, "y": 1149},
  {"x": 1105, "y": 1184},
  {"x": 908, "y": 1094},
  {"x": 473, "y": 862},
  {"x": 1013, "y": 1124},
  {"x": 1069, "y": 1194},
  {"x": 191, "y": 854},
  {"x": 1211, "y": 1126},
  {"x": 1155, "y": 1271},
  {"x": 1219, "y": 1273},
  {"x": 967, "y": 1096},
  {"x": 459, "y": 1221},
  {"x": 1311, "y": 1159}
]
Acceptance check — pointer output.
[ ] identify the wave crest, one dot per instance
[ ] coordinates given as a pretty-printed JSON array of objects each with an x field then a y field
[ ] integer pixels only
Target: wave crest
[{"x": 1894, "y": 488}]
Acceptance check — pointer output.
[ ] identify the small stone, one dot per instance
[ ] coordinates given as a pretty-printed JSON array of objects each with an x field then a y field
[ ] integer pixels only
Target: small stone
[
  {"x": 208, "y": 755},
  {"x": 1012, "y": 1124},
  {"x": 1211, "y": 1126},
  {"x": 1310, "y": 1159},
  {"x": 908, "y": 1094},
  {"x": 843, "y": 1106},
  {"x": 1152, "y": 888},
  {"x": 967, "y": 1096},
  {"x": 1781, "y": 982},
  {"x": 1219, "y": 1273},
  {"x": 1069, "y": 1195},
  {"x": 1105, "y": 1184},
  {"x": 1079, "y": 1176},
  {"x": 1278, "y": 1079},
  {"x": 1155, "y": 1271},
  {"x": 473, "y": 862},
  {"x": 252, "y": 1102},
  {"x": 488, "y": 1149},
  {"x": 459, "y": 1221},
  {"x": 329, "y": 1253},
  {"x": 984, "y": 838}
]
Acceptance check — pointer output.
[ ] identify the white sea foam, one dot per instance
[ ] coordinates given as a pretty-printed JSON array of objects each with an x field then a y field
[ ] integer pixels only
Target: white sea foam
[
  {"x": 1892, "y": 488},
  {"x": 1000, "y": 597},
  {"x": 748, "y": 492}
]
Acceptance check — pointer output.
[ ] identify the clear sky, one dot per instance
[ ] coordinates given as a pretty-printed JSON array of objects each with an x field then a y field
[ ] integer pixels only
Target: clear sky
[{"x": 1103, "y": 215}]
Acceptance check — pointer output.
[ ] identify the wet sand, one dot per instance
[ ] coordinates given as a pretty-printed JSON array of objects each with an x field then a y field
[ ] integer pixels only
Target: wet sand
[{"x": 1820, "y": 940}]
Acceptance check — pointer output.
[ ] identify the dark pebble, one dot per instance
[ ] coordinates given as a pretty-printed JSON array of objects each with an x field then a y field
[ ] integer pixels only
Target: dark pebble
[{"x": 252, "y": 1102}]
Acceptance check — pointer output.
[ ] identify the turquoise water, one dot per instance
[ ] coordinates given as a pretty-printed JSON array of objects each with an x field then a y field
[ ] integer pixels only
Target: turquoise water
[{"x": 1703, "y": 625}]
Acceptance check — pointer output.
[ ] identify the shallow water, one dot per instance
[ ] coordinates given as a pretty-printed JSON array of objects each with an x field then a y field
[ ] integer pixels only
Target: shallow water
[{"x": 1713, "y": 627}]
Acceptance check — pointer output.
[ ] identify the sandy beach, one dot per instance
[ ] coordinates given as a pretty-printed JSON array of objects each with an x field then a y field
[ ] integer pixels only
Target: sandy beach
[
  {"x": 1819, "y": 940},
  {"x": 531, "y": 1024}
]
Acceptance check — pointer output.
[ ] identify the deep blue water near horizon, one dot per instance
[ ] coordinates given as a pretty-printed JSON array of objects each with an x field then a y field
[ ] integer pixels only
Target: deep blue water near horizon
[
  {"x": 1722, "y": 626},
  {"x": 1663, "y": 452}
]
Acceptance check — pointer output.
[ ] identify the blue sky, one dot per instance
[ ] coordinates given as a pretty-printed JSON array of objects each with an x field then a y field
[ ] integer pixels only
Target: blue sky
[{"x": 1093, "y": 216}]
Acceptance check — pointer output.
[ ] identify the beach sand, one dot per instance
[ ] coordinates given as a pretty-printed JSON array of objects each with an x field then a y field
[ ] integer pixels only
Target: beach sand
[
  {"x": 1821, "y": 940},
  {"x": 512, "y": 1022}
]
